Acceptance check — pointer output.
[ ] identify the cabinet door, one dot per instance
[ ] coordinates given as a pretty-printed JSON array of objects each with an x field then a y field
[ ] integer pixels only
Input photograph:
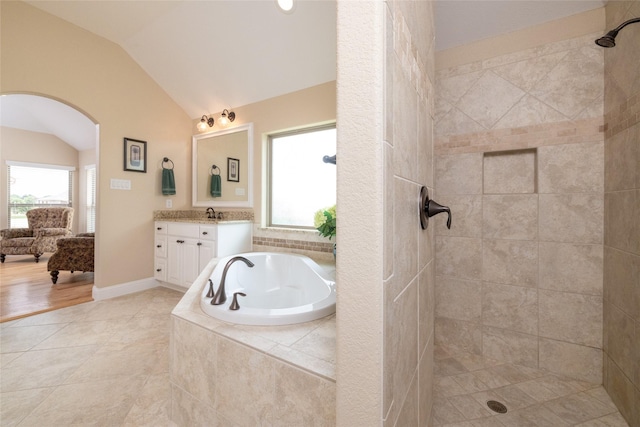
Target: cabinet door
[
  {"x": 190, "y": 262},
  {"x": 174, "y": 259},
  {"x": 207, "y": 252}
]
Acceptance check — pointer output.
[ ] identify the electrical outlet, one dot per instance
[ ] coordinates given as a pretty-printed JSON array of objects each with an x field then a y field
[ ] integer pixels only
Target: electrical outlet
[{"x": 168, "y": 203}]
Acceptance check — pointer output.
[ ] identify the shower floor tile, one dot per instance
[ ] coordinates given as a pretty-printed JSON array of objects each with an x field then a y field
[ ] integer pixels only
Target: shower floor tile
[{"x": 533, "y": 397}]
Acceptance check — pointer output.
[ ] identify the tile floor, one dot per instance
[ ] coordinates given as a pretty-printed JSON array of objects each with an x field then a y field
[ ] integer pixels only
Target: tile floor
[
  {"x": 106, "y": 363},
  {"x": 100, "y": 363},
  {"x": 534, "y": 397}
]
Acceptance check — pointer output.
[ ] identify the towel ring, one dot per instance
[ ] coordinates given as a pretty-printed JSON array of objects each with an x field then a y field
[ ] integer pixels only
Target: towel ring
[
  {"x": 213, "y": 170},
  {"x": 165, "y": 160}
]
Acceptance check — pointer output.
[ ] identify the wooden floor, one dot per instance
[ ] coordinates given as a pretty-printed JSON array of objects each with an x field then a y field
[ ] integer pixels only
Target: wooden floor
[{"x": 26, "y": 287}]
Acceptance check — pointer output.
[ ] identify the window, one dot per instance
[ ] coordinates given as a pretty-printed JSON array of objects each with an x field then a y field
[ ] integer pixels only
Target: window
[
  {"x": 91, "y": 198},
  {"x": 35, "y": 185},
  {"x": 300, "y": 183}
]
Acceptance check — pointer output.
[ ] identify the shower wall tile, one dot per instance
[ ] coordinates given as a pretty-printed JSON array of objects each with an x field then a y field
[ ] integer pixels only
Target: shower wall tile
[
  {"x": 575, "y": 218},
  {"x": 426, "y": 238},
  {"x": 389, "y": 191},
  {"x": 572, "y": 360},
  {"x": 489, "y": 99},
  {"x": 575, "y": 83},
  {"x": 405, "y": 234},
  {"x": 426, "y": 305},
  {"x": 622, "y": 210},
  {"x": 510, "y": 307},
  {"x": 459, "y": 174},
  {"x": 622, "y": 276},
  {"x": 458, "y": 335},
  {"x": 405, "y": 128},
  {"x": 570, "y": 317},
  {"x": 425, "y": 149},
  {"x": 459, "y": 299},
  {"x": 620, "y": 344},
  {"x": 623, "y": 393},
  {"x": 510, "y": 346},
  {"x": 622, "y": 153},
  {"x": 425, "y": 384},
  {"x": 510, "y": 217},
  {"x": 401, "y": 345},
  {"x": 512, "y": 172},
  {"x": 459, "y": 257},
  {"x": 571, "y": 168},
  {"x": 571, "y": 267},
  {"x": 466, "y": 215},
  {"x": 511, "y": 262}
]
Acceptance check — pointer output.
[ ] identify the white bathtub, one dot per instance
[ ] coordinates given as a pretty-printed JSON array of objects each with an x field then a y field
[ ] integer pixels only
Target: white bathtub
[{"x": 281, "y": 289}]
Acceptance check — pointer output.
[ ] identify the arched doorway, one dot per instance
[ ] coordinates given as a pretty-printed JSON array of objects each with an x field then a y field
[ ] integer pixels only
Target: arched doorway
[{"x": 41, "y": 133}]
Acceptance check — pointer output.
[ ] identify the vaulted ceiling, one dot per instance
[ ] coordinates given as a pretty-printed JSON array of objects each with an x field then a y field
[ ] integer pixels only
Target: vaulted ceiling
[{"x": 211, "y": 55}]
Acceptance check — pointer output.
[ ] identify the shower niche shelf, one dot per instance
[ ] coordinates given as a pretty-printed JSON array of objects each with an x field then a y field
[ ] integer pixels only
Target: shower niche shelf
[{"x": 510, "y": 172}]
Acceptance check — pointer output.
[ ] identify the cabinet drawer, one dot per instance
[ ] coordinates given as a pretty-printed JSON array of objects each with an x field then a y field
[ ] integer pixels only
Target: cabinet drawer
[
  {"x": 183, "y": 230},
  {"x": 207, "y": 232},
  {"x": 161, "y": 246},
  {"x": 160, "y": 227},
  {"x": 160, "y": 270}
]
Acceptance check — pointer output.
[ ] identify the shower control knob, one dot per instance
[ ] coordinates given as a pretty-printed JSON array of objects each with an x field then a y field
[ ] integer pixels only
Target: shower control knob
[{"x": 429, "y": 208}]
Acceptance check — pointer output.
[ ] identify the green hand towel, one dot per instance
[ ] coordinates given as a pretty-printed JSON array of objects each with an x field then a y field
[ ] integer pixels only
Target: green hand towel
[
  {"x": 168, "y": 182},
  {"x": 216, "y": 186}
]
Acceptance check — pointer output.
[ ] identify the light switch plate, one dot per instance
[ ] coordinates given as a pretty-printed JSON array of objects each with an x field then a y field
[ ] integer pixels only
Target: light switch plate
[
  {"x": 239, "y": 191},
  {"x": 120, "y": 184}
]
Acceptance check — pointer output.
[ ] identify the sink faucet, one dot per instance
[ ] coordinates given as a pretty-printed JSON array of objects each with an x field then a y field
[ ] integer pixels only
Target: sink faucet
[
  {"x": 220, "y": 296},
  {"x": 211, "y": 213}
]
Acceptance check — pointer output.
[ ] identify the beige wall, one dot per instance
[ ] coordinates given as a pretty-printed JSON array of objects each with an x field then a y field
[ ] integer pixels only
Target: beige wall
[
  {"x": 622, "y": 213},
  {"x": 304, "y": 108},
  {"x": 44, "y": 55},
  {"x": 385, "y": 269},
  {"x": 520, "y": 161},
  {"x": 34, "y": 147}
]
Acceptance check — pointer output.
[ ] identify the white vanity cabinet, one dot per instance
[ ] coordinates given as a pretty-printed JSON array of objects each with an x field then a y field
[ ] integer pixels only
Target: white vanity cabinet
[{"x": 182, "y": 249}]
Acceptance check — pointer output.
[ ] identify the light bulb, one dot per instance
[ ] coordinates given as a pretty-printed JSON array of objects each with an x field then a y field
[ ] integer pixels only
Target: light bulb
[
  {"x": 286, "y": 5},
  {"x": 202, "y": 126},
  {"x": 223, "y": 120}
]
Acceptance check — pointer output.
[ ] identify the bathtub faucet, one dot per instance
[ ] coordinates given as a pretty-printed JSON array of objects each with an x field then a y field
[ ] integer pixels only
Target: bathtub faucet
[{"x": 221, "y": 296}]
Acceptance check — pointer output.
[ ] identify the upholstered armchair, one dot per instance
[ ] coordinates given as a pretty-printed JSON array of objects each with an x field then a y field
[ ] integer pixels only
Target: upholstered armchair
[
  {"x": 46, "y": 226},
  {"x": 73, "y": 254}
]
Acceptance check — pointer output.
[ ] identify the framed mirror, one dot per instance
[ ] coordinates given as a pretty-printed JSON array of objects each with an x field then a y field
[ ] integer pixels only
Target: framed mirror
[{"x": 223, "y": 168}]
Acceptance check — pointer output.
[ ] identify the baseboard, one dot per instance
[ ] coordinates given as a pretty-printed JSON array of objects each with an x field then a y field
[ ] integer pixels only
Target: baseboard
[{"x": 124, "y": 288}]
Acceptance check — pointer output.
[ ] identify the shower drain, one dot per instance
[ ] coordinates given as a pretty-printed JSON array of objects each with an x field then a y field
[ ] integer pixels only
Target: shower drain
[{"x": 496, "y": 406}]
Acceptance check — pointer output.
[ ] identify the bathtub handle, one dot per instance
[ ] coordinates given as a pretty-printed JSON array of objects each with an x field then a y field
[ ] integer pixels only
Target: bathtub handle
[
  {"x": 429, "y": 208},
  {"x": 234, "y": 304}
]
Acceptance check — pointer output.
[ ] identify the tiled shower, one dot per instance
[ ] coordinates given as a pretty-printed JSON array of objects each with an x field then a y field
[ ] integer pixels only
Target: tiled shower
[{"x": 541, "y": 267}]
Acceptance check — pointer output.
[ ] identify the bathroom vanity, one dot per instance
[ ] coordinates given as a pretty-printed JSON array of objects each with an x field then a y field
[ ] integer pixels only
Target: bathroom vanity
[{"x": 183, "y": 248}]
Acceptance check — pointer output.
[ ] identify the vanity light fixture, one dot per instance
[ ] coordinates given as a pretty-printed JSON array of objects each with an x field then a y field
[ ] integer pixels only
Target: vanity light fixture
[
  {"x": 226, "y": 117},
  {"x": 204, "y": 121}
]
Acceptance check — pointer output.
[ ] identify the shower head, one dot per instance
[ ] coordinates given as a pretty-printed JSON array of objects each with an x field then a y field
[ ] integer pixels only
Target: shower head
[{"x": 609, "y": 39}]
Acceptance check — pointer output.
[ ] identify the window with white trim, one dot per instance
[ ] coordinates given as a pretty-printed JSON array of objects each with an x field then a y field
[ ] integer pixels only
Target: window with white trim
[
  {"x": 300, "y": 182},
  {"x": 33, "y": 185}
]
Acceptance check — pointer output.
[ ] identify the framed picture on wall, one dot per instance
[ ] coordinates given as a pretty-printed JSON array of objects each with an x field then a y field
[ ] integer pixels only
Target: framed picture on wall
[
  {"x": 233, "y": 170},
  {"x": 135, "y": 155}
]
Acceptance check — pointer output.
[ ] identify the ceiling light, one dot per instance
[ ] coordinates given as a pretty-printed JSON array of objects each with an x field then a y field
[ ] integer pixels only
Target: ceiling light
[
  {"x": 226, "y": 117},
  {"x": 204, "y": 121},
  {"x": 287, "y": 6}
]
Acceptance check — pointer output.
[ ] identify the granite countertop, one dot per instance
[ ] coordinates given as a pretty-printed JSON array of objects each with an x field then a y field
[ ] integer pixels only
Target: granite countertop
[{"x": 200, "y": 216}]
